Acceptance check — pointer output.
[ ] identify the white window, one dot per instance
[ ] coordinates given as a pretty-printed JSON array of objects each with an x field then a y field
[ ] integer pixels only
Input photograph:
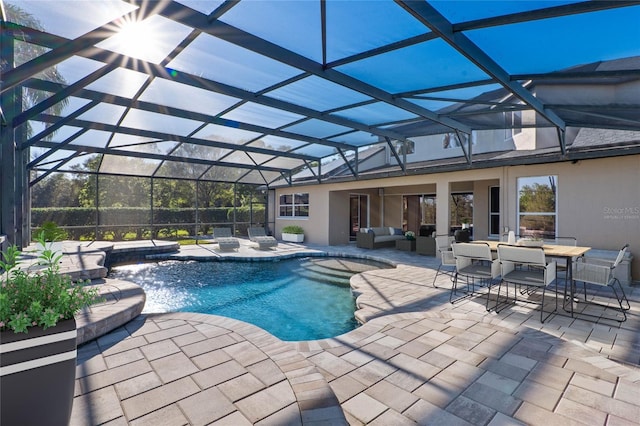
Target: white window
[
  {"x": 405, "y": 147},
  {"x": 294, "y": 205},
  {"x": 517, "y": 122},
  {"x": 453, "y": 140},
  {"x": 537, "y": 206},
  {"x": 513, "y": 123}
]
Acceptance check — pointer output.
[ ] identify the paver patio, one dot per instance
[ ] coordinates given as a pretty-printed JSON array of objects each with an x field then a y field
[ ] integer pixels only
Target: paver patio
[{"x": 416, "y": 360}]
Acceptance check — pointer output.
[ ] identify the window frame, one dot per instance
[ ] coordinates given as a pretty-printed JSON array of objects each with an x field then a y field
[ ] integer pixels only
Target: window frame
[
  {"x": 513, "y": 124},
  {"x": 535, "y": 213},
  {"x": 492, "y": 213},
  {"x": 452, "y": 207},
  {"x": 424, "y": 201},
  {"x": 295, "y": 206}
]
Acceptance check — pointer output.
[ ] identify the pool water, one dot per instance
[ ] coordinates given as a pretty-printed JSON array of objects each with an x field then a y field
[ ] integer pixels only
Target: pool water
[{"x": 295, "y": 299}]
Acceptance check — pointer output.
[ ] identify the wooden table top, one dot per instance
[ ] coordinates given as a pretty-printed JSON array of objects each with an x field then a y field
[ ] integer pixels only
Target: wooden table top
[{"x": 549, "y": 249}]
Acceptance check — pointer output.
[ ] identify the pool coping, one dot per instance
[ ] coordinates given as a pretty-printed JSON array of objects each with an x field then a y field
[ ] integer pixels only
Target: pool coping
[{"x": 125, "y": 300}]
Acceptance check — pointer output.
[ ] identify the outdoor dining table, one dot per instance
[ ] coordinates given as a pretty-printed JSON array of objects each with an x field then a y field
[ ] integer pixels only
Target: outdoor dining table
[{"x": 568, "y": 253}]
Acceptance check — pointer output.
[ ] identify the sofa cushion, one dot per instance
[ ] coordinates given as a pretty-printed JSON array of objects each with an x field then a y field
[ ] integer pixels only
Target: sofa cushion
[
  {"x": 397, "y": 231},
  {"x": 383, "y": 230}
]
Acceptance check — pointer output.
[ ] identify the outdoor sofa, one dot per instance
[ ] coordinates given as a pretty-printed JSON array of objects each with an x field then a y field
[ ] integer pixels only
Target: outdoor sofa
[{"x": 384, "y": 236}]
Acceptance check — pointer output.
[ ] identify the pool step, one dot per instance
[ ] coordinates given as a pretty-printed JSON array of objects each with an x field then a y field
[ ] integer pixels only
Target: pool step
[
  {"x": 332, "y": 271},
  {"x": 319, "y": 277},
  {"x": 327, "y": 269}
]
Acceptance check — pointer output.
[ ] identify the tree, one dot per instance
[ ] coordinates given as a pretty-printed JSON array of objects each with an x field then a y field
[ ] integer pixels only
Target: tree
[
  {"x": 114, "y": 190},
  {"x": 56, "y": 190},
  {"x": 25, "y": 52},
  {"x": 461, "y": 208},
  {"x": 538, "y": 198}
]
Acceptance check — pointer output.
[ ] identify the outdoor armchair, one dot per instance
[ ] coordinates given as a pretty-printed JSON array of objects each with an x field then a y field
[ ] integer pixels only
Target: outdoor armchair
[
  {"x": 562, "y": 241},
  {"x": 447, "y": 260},
  {"x": 473, "y": 262},
  {"x": 528, "y": 271},
  {"x": 602, "y": 276}
]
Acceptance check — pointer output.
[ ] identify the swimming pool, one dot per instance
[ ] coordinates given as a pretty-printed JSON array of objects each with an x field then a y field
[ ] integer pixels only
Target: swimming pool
[{"x": 293, "y": 299}]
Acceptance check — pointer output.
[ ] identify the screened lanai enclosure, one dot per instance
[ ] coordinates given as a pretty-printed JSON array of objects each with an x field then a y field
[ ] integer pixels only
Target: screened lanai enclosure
[{"x": 145, "y": 119}]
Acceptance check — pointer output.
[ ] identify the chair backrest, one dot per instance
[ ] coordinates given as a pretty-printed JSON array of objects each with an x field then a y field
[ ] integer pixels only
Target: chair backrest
[
  {"x": 476, "y": 251},
  {"x": 221, "y": 232},
  {"x": 443, "y": 242},
  {"x": 256, "y": 232},
  {"x": 521, "y": 255},
  {"x": 467, "y": 254},
  {"x": 443, "y": 249},
  {"x": 563, "y": 241},
  {"x": 510, "y": 256},
  {"x": 620, "y": 256}
]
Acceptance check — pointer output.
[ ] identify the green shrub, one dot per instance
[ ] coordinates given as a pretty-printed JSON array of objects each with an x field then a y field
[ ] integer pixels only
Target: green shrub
[
  {"x": 292, "y": 229},
  {"x": 50, "y": 231}
]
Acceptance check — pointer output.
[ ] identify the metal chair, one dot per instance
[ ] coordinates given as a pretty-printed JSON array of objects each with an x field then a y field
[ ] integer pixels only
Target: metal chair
[
  {"x": 525, "y": 267},
  {"x": 562, "y": 241},
  {"x": 473, "y": 262},
  {"x": 447, "y": 260},
  {"x": 603, "y": 276}
]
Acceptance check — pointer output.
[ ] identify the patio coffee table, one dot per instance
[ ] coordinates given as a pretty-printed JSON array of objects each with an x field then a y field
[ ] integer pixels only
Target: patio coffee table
[{"x": 406, "y": 245}]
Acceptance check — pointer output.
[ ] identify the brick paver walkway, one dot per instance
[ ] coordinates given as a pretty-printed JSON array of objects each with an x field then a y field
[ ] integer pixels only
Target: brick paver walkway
[{"x": 417, "y": 360}]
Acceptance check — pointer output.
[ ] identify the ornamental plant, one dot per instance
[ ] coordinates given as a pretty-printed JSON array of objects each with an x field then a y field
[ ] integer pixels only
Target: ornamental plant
[
  {"x": 39, "y": 298},
  {"x": 292, "y": 229},
  {"x": 51, "y": 231},
  {"x": 410, "y": 235}
]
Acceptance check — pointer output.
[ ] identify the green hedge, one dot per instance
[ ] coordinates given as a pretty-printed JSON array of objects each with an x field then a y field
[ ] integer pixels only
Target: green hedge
[
  {"x": 122, "y": 222},
  {"x": 71, "y": 216}
]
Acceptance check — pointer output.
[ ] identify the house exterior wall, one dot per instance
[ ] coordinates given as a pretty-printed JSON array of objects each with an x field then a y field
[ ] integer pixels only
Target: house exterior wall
[
  {"x": 431, "y": 147},
  {"x": 392, "y": 210},
  {"x": 598, "y": 201},
  {"x": 316, "y": 226}
]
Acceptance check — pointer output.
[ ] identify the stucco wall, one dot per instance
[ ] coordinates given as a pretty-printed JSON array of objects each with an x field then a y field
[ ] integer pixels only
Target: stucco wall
[
  {"x": 598, "y": 201},
  {"x": 393, "y": 210},
  {"x": 431, "y": 147},
  {"x": 316, "y": 226}
]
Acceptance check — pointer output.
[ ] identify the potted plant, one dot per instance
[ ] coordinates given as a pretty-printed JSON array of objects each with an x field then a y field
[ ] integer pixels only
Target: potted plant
[
  {"x": 38, "y": 338},
  {"x": 410, "y": 235},
  {"x": 293, "y": 233}
]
